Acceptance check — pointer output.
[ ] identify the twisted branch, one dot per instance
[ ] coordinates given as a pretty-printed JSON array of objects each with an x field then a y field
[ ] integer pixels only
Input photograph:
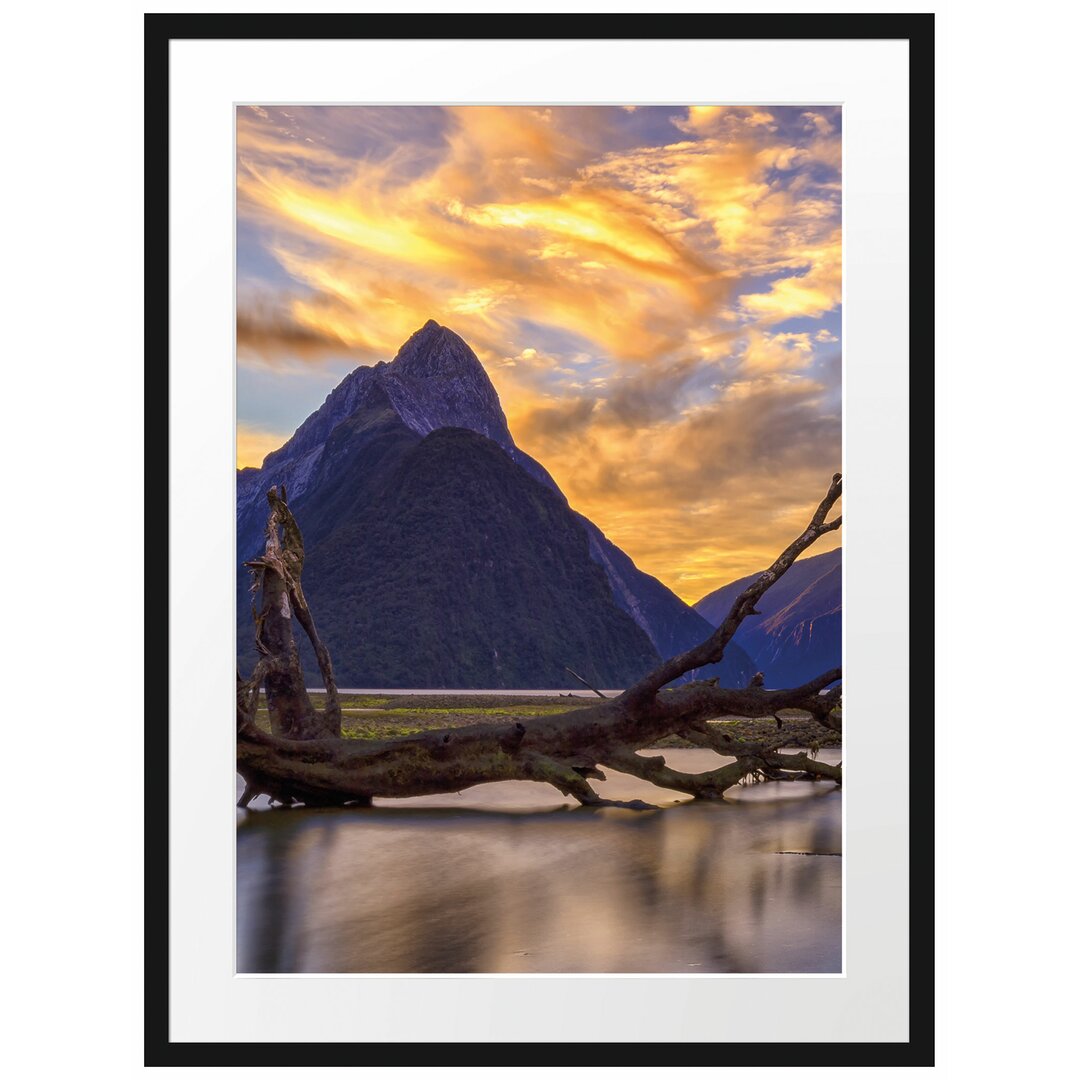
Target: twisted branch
[
  {"x": 711, "y": 651},
  {"x": 307, "y": 761}
]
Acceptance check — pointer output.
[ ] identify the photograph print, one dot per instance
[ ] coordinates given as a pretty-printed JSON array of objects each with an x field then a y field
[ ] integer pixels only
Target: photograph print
[{"x": 538, "y": 539}]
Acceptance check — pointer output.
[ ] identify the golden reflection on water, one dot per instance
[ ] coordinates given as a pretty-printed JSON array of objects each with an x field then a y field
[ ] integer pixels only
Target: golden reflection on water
[{"x": 450, "y": 884}]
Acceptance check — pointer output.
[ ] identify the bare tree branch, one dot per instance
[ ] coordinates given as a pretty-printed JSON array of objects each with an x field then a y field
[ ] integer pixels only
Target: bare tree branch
[
  {"x": 304, "y": 760},
  {"x": 276, "y": 576},
  {"x": 588, "y": 684},
  {"x": 711, "y": 651},
  {"x": 294, "y": 560}
]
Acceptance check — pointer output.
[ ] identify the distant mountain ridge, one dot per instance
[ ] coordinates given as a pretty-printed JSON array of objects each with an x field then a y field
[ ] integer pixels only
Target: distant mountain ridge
[
  {"x": 798, "y": 634},
  {"x": 436, "y": 382}
]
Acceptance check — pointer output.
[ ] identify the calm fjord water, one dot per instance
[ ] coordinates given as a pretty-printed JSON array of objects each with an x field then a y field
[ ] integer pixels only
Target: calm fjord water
[{"x": 509, "y": 878}]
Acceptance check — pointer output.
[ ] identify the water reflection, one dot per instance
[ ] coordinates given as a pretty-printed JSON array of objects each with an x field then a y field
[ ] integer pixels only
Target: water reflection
[{"x": 472, "y": 883}]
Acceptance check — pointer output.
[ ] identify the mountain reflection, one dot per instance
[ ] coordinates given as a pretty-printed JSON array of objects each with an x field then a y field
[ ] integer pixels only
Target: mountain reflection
[{"x": 426, "y": 887}]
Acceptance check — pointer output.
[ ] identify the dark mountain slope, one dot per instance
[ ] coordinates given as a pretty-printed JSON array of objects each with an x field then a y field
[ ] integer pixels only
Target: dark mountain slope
[
  {"x": 436, "y": 381},
  {"x": 440, "y": 563},
  {"x": 798, "y": 634}
]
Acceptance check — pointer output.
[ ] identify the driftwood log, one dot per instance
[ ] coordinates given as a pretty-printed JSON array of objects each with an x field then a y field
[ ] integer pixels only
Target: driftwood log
[{"x": 304, "y": 759}]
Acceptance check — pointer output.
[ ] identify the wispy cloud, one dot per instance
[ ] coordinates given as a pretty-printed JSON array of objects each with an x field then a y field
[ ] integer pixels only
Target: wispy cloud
[
  {"x": 644, "y": 287},
  {"x": 254, "y": 442}
]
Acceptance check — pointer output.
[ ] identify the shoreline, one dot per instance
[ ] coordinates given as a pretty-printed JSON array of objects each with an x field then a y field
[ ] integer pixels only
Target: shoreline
[{"x": 389, "y": 714}]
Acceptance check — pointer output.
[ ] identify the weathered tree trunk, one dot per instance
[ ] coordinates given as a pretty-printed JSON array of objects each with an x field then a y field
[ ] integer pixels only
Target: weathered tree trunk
[
  {"x": 277, "y": 585},
  {"x": 304, "y": 760}
]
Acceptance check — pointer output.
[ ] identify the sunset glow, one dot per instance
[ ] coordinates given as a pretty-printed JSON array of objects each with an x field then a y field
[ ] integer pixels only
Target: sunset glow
[{"x": 654, "y": 292}]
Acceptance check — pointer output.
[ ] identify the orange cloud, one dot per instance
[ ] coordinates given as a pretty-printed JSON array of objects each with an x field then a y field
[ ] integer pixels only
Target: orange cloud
[
  {"x": 628, "y": 299},
  {"x": 253, "y": 443},
  {"x": 767, "y": 353},
  {"x": 811, "y": 294},
  {"x": 697, "y": 495}
]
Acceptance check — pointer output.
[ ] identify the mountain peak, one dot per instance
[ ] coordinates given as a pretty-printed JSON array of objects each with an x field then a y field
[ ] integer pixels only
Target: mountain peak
[
  {"x": 436, "y": 350},
  {"x": 436, "y": 381}
]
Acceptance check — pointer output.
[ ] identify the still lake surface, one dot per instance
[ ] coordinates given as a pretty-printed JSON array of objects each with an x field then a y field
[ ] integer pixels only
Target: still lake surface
[{"x": 514, "y": 877}]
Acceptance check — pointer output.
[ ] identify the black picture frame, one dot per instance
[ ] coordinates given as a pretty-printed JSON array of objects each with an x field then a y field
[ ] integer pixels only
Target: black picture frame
[{"x": 918, "y": 30}]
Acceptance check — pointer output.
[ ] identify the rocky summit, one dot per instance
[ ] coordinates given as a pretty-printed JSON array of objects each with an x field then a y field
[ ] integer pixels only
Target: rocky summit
[{"x": 434, "y": 381}]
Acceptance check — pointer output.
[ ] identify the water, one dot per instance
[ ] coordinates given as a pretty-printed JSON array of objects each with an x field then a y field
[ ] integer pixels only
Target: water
[{"x": 510, "y": 878}]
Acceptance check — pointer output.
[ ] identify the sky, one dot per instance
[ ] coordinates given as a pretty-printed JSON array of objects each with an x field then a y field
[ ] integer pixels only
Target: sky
[{"x": 654, "y": 292}]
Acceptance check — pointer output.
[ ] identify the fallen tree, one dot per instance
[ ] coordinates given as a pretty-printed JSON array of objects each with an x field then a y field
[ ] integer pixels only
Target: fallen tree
[{"x": 304, "y": 759}]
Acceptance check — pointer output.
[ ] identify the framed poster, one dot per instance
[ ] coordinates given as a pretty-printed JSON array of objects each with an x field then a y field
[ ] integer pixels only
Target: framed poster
[{"x": 511, "y": 382}]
